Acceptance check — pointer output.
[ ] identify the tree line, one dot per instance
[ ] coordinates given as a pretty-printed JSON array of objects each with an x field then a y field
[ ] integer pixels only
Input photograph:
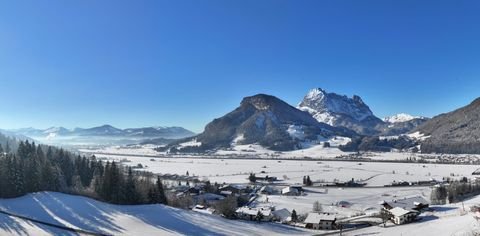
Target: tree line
[
  {"x": 454, "y": 191},
  {"x": 33, "y": 168}
]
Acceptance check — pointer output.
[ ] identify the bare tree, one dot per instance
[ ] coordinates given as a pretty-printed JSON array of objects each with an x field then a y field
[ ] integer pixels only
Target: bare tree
[
  {"x": 385, "y": 216},
  {"x": 227, "y": 206},
  {"x": 317, "y": 207}
]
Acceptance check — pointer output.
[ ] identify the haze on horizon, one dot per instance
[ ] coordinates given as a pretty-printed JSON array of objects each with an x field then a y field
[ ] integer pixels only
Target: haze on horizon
[{"x": 171, "y": 63}]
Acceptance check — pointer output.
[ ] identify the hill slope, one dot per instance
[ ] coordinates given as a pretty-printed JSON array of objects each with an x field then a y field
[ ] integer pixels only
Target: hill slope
[
  {"x": 87, "y": 214},
  {"x": 454, "y": 132}
]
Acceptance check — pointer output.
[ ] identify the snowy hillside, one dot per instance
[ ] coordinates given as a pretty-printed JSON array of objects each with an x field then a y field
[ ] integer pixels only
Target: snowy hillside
[{"x": 90, "y": 215}]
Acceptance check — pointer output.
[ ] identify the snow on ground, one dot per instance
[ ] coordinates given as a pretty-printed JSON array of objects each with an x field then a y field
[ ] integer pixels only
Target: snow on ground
[
  {"x": 312, "y": 150},
  {"x": 146, "y": 150},
  {"x": 359, "y": 198},
  {"x": 192, "y": 143},
  {"x": 87, "y": 214},
  {"x": 419, "y": 136},
  {"x": 237, "y": 170},
  {"x": 296, "y": 131},
  {"x": 402, "y": 117}
]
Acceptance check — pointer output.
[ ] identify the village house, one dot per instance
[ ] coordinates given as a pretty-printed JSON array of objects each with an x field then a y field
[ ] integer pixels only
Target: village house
[
  {"x": 416, "y": 203},
  {"x": 226, "y": 193},
  {"x": 299, "y": 188},
  {"x": 320, "y": 221},
  {"x": 266, "y": 178},
  {"x": 252, "y": 214},
  {"x": 208, "y": 198},
  {"x": 203, "y": 209},
  {"x": 289, "y": 191},
  {"x": 401, "y": 216},
  {"x": 266, "y": 190},
  {"x": 234, "y": 188},
  {"x": 403, "y": 211}
]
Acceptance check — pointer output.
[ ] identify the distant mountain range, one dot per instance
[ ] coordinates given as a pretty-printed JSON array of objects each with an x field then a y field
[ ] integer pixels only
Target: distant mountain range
[
  {"x": 107, "y": 130},
  {"x": 268, "y": 121},
  {"x": 102, "y": 135}
]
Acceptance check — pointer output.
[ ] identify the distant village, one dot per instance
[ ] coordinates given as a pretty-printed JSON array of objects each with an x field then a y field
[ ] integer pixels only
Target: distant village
[{"x": 250, "y": 202}]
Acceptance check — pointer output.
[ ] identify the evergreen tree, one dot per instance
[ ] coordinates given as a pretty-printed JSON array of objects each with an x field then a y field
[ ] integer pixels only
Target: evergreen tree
[
  {"x": 294, "y": 216},
  {"x": 162, "y": 199},
  {"x": 131, "y": 195}
]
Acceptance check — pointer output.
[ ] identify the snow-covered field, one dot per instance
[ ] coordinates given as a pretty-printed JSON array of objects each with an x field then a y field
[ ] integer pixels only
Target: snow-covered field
[
  {"x": 140, "y": 150},
  {"x": 448, "y": 220},
  {"x": 292, "y": 171},
  {"x": 87, "y": 214},
  {"x": 361, "y": 199}
]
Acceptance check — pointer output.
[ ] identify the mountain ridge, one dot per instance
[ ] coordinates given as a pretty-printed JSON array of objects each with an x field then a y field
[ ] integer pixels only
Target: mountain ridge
[
  {"x": 265, "y": 120},
  {"x": 106, "y": 130}
]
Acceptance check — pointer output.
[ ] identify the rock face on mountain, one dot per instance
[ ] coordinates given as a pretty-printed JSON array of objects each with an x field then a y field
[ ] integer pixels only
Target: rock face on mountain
[
  {"x": 453, "y": 132},
  {"x": 268, "y": 121},
  {"x": 352, "y": 113},
  {"x": 341, "y": 111}
]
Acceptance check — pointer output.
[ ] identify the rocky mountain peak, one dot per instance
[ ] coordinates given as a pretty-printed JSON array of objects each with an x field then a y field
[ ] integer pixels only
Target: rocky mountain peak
[
  {"x": 260, "y": 101},
  {"x": 324, "y": 106}
]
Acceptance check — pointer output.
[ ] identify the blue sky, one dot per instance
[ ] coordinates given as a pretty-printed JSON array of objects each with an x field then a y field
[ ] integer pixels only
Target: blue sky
[{"x": 141, "y": 63}]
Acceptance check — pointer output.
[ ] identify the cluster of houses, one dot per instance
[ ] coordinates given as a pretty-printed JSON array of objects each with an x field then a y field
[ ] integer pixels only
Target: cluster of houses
[
  {"x": 264, "y": 214},
  {"x": 399, "y": 211}
]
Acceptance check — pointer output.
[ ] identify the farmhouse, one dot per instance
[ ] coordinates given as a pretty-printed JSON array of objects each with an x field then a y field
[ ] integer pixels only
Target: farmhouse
[
  {"x": 208, "y": 198},
  {"x": 417, "y": 203},
  {"x": 267, "y": 178},
  {"x": 234, "y": 188},
  {"x": 401, "y": 216},
  {"x": 299, "y": 188},
  {"x": 254, "y": 214},
  {"x": 320, "y": 221}
]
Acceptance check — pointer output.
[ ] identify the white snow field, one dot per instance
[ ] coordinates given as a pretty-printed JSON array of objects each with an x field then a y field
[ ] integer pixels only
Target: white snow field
[
  {"x": 361, "y": 200},
  {"x": 448, "y": 220},
  {"x": 237, "y": 170},
  {"x": 90, "y": 215}
]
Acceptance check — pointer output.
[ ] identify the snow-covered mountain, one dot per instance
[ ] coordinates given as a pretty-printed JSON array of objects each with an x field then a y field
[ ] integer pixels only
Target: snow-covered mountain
[
  {"x": 107, "y": 130},
  {"x": 101, "y": 135},
  {"x": 264, "y": 120},
  {"x": 104, "y": 130},
  {"x": 341, "y": 111},
  {"x": 402, "y": 117}
]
